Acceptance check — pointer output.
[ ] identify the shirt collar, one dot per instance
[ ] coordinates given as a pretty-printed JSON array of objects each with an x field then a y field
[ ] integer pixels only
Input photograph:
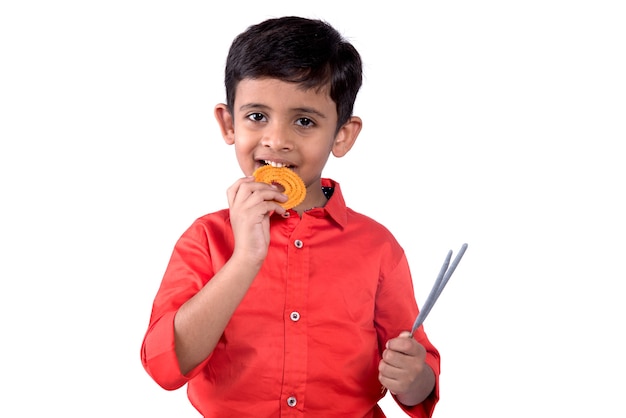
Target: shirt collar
[{"x": 335, "y": 208}]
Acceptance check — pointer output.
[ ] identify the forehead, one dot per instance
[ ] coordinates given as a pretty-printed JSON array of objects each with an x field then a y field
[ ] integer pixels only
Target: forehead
[{"x": 276, "y": 93}]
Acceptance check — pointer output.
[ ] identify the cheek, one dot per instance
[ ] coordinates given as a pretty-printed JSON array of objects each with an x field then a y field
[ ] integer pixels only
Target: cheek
[
  {"x": 324, "y": 155},
  {"x": 244, "y": 145},
  {"x": 244, "y": 154}
]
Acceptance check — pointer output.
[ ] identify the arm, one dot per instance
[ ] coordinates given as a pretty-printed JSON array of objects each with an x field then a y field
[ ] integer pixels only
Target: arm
[
  {"x": 200, "y": 322},
  {"x": 409, "y": 367}
]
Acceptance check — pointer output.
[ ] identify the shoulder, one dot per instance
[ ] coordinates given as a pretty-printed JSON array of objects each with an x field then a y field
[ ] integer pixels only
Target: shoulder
[
  {"x": 360, "y": 219},
  {"x": 210, "y": 224},
  {"x": 370, "y": 228},
  {"x": 219, "y": 216},
  {"x": 375, "y": 241}
]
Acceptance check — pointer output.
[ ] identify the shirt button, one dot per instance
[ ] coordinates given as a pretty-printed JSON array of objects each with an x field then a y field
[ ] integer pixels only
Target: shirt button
[
  {"x": 295, "y": 316},
  {"x": 286, "y": 215},
  {"x": 292, "y": 401},
  {"x": 298, "y": 243}
]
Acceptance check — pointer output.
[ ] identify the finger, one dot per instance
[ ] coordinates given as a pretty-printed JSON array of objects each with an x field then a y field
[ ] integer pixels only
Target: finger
[
  {"x": 402, "y": 345},
  {"x": 260, "y": 195},
  {"x": 233, "y": 190},
  {"x": 398, "y": 371},
  {"x": 251, "y": 193},
  {"x": 389, "y": 375},
  {"x": 398, "y": 351}
]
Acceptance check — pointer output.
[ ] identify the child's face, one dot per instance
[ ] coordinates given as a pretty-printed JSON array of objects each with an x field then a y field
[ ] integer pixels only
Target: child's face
[{"x": 275, "y": 121}]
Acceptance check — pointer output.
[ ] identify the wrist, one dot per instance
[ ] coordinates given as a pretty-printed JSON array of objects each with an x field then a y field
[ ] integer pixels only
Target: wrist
[{"x": 247, "y": 261}]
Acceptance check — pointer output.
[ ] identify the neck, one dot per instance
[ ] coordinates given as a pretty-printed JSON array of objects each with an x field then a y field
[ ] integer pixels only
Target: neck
[{"x": 315, "y": 198}]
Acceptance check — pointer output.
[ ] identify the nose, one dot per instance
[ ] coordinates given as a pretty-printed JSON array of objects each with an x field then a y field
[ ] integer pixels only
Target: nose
[{"x": 277, "y": 137}]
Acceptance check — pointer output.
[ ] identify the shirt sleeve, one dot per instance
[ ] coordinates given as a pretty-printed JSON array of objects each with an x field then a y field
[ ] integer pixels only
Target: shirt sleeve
[
  {"x": 396, "y": 310},
  {"x": 188, "y": 270}
]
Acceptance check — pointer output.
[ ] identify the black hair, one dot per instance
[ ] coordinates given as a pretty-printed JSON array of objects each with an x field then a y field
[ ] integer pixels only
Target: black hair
[{"x": 308, "y": 52}]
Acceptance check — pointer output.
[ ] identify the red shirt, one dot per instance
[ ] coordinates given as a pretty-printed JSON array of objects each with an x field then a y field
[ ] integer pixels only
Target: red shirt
[{"x": 307, "y": 338}]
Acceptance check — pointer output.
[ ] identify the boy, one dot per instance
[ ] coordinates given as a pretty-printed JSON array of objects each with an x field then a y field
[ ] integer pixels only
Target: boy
[{"x": 268, "y": 312}]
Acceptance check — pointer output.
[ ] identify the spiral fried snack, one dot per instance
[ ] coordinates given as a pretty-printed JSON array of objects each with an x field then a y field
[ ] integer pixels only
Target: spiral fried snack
[{"x": 290, "y": 181}]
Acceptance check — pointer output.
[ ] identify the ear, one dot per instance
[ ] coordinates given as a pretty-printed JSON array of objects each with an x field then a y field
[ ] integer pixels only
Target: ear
[
  {"x": 346, "y": 137},
  {"x": 225, "y": 121}
]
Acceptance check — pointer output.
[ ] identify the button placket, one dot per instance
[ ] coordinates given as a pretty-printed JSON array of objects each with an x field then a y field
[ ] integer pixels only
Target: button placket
[{"x": 295, "y": 309}]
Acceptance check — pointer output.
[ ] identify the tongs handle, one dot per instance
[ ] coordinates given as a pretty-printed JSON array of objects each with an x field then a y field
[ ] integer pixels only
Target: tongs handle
[{"x": 442, "y": 279}]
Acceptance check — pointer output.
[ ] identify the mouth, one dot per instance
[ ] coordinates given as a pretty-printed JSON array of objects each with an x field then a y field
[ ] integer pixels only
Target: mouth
[{"x": 275, "y": 164}]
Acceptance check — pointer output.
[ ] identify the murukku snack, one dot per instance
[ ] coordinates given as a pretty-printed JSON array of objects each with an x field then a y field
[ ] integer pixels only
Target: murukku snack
[{"x": 285, "y": 177}]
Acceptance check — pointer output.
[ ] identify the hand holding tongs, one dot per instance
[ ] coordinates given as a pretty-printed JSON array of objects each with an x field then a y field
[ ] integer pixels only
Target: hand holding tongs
[{"x": 440, "y": 283}]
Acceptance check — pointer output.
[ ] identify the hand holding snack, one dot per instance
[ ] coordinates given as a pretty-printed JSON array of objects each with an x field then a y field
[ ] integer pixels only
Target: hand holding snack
[{"x": 287, "y": 179}]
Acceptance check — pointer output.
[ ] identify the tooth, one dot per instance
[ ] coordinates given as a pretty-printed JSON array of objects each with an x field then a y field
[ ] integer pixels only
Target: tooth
[{"x": 274, "y": 163}]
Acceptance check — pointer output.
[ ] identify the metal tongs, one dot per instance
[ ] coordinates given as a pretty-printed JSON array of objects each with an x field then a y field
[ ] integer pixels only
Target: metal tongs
[{"x": 440, "y": 283}]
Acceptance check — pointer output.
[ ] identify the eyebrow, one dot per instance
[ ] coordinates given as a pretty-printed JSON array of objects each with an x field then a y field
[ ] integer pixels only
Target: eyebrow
[{"x": 260, "y": 106}]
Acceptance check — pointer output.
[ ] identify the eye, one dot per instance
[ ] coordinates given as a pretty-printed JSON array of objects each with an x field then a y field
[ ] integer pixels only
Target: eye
[
  {"x": 305, "y": 122},
  {"x": 256, "y": 117}
]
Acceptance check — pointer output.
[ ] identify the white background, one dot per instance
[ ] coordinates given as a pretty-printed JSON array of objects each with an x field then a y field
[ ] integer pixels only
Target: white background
[{"x": 499, "y": 124}]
